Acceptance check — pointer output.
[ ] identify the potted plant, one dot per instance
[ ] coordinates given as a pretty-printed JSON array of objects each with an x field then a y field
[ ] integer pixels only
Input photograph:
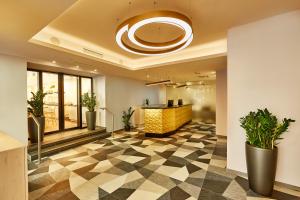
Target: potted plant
[
  {"x": 36, "y": 109},
  {"x": 147, "y": 102},
  {"x": 126, "y": 118},
  {"x": 90, "y": 102},
  {"x": 263, "y": 132}
]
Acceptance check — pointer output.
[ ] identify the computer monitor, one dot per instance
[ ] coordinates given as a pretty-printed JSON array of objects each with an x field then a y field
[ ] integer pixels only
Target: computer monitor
[
  {"x": 170, "y": 103},
  {"x": 180, "y": 102}
]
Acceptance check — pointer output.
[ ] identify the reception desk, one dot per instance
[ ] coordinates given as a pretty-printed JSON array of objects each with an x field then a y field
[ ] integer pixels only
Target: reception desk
[{"x": 161, "y": 121}]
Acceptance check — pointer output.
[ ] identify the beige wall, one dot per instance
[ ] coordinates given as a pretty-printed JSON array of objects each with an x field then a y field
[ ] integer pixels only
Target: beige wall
[
  {"x": 221, "y": 102},
  {"x": 264, "y": 71},
  {"x": 121, "y": 93},
  {"x": 197, "y": 95},
  {"x": 99, "y": 90},
  {"x": 13, "y": 105},
  {"x": 162, "y": 94}
]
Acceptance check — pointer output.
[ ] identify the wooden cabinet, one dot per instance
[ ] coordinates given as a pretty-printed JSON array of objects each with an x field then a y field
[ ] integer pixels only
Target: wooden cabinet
[{"x": 13, "y": 169}]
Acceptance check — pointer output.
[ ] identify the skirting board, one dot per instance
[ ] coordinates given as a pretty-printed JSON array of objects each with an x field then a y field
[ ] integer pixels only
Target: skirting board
[{"x": 277, "y": 183}]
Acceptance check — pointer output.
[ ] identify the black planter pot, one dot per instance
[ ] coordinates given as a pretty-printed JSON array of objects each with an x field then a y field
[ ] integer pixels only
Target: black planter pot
[
  {"x": 33, "y": 129},
  {"x": 261, "y": 167},
  {"x": 91, "y": 120},
  {"x": 127, "y": 128}
]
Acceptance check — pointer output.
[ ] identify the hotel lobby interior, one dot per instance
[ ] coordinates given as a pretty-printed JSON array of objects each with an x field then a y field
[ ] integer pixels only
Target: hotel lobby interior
[{"x": 149, "y": 99}]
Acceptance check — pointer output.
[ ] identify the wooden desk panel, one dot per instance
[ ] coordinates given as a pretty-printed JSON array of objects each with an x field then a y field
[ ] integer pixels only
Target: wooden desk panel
[
  {"x": 13, "y": 169},
  {"x": 166, "y": 120}
]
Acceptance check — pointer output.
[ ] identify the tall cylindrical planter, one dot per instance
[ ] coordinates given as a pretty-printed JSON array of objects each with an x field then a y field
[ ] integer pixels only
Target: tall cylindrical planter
[
  {"x": 261, "y": 167},
  {"x": 33, "y": 129},
  {"x": 91, "y": 120}
]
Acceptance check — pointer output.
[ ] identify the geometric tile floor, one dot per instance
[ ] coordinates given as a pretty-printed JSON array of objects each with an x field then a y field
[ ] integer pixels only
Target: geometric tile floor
[{"x": 190, "y": 164}]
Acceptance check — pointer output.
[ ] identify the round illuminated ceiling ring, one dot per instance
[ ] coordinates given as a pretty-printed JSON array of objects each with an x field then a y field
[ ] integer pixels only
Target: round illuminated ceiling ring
[{"x": 166, "y": 17}]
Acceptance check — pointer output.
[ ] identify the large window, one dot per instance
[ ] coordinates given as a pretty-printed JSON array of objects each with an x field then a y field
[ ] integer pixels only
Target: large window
[
  {"x": 62, "y": 108},
  {"x": 32, "y": 83},
  {"x": 51, "y": 101},
  {"x": 70, "y": 101},
  {"x": 86, "y": 87}
]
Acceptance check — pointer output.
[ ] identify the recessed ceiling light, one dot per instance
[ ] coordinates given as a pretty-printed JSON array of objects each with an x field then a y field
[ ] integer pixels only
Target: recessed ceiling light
[
  {"x": 77, "y": 66},
  {"x": 95, "y": 70},
  {"x": 53, "y": 61}
]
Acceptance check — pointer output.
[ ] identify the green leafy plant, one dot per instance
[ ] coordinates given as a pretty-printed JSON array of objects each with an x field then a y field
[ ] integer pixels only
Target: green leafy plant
[
  {"x": 147, "y": 102},
  {"x": 89, "y": 101},
  {"x": 126, "y": 118},
  {"x": 263, "y": 129},
  {"x": 36, "y": 103}
]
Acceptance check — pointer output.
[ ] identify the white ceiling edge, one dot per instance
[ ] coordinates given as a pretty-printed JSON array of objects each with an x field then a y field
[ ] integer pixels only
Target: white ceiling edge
[
  {"x": 74, "y": 45},
  {"x": 58, "y": 67},
  {"x": 201, "y": 52}
]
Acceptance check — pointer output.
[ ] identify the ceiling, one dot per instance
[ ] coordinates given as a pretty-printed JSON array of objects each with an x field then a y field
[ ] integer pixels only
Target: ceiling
[{"x": 60, "y": 29}]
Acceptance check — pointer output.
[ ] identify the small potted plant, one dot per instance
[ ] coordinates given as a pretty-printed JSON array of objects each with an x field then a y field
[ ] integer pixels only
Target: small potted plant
[
  {"x": 35, "y": 109},
  {"x": 90, "y": 102},
  {"x": 147, "y": 102},
  {"x": 263, "y": 132},
  {"x": 126, "y": 118}
]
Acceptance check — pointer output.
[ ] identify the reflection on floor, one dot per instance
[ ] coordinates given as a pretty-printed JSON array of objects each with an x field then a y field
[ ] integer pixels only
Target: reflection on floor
[{"x": 188, "y": 165}]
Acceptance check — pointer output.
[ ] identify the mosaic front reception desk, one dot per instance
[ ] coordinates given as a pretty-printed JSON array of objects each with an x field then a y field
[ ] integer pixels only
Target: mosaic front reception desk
[{"x": 161, "y": 121}]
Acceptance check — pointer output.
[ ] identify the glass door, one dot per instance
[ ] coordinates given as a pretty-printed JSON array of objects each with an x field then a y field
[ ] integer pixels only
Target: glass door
[
  {"x": 86, "y": 87},
  {"x": 62, "y": 108},
  {"x": 51, "y": 101},
  {"x": 32, "y": 83},
  {"x": 70, "y": 101}
]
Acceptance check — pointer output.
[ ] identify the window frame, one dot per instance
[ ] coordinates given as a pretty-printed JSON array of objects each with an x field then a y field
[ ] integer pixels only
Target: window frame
[{"x": 61, "y": 97}]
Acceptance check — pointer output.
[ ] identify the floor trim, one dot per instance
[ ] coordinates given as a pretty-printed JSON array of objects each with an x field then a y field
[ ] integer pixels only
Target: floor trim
[{"x": 277, "y": 183}]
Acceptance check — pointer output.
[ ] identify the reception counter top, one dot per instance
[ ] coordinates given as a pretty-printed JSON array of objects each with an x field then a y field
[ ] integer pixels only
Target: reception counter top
[
  {"x": 161, "y": 120},
  {"x": 163, "y": 106}
]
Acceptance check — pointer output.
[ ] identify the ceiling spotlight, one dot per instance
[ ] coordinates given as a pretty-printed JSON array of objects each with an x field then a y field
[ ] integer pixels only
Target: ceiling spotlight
[
  {"x": 77, "y": 66},
  {"x": 132, "y": 25},
  {"x": 53, "y": 61},
  {"x": 95, "y": 70}
]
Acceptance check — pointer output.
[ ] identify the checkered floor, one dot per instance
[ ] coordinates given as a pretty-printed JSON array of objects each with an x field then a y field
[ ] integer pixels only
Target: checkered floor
[{"x": 187, "y": 165}]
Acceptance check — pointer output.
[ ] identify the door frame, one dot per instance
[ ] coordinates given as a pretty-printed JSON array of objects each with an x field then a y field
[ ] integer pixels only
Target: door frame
[{"x": 61, "y": 109}]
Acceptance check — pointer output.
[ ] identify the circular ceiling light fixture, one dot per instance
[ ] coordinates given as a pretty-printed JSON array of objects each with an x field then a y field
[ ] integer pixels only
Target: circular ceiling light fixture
[{"x": 133, "y": 24}]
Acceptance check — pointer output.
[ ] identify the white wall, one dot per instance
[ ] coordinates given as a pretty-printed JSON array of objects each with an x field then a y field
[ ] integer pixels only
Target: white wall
[
  {"x": 221, "y": 102},
  {"x": 13, "y": 105},
  {"x": 121, "y": 93},
  {"x": 264, "y": 71}
]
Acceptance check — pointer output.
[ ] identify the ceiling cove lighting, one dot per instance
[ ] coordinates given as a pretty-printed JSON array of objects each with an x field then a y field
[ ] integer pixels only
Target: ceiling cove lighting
[{"x": 133, "y": 24}]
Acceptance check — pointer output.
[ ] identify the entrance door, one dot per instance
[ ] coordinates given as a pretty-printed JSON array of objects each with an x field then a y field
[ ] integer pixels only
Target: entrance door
[
  {"x": 86, "y": 87},
  {"x": 51, "y": 101},
  {"x": 62, "y": 108},
  {"x": 70, "y": 101}
]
